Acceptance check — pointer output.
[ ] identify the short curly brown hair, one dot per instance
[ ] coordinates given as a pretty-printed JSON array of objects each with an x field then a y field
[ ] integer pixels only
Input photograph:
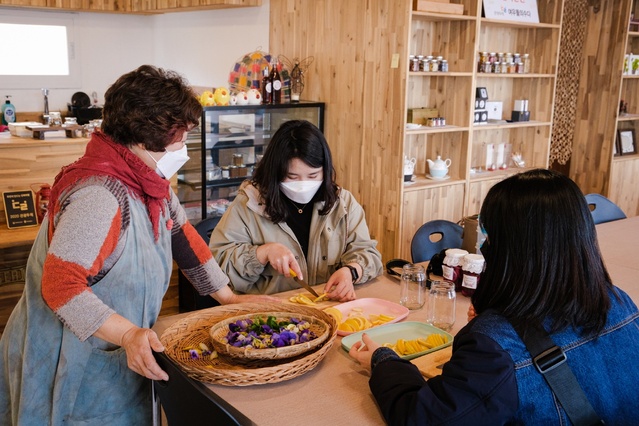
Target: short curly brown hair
[{"x": 150, "y": 106}]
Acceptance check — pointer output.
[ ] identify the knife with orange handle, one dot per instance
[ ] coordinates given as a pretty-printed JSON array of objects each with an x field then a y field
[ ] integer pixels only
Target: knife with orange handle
[{"x": 303, "y": 283}]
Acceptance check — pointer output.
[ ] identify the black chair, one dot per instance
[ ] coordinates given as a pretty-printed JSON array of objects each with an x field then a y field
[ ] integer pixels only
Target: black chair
[
  {"x": 434, "y": 236},
  {"x": 189, "y": 298},
  {"x": 602, "y": 209},
  {"x": 189, "y": 402}
]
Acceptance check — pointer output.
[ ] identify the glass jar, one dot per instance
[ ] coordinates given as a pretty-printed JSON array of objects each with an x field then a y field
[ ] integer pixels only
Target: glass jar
[
  {"x": 441, "y": 305},
  {"x": 483, "y": 59},
  {"x": 472, "y": 267},
  {"x": 238, "y": 160},
  {"x": 413, "y": 287},
  {"x": 496, "y": 67},
  {"x": 519, "y": 69},
  {"x": 526, "y": 63},
  {"x": 444, "y": 66},
  {"x": 451, "y": 267},
  {"x": 55, "y": 119},
  {"x": 415, "y": 65},
  {"x": 434, "y": 65}
]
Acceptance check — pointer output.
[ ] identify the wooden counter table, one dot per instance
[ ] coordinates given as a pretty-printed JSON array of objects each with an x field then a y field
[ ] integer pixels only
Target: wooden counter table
[
  {"x": 336, "y": 392},
  {"x": 25, "y": 164}
]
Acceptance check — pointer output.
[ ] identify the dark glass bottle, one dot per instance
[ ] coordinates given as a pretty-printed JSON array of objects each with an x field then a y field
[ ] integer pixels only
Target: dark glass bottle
[
  {"x": 266, "y": 87},
  {"x": 276, "y": 83}
]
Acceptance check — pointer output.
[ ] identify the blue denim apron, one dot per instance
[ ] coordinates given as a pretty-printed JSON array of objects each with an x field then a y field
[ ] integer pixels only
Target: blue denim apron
[{"x": 48, "y": 376}]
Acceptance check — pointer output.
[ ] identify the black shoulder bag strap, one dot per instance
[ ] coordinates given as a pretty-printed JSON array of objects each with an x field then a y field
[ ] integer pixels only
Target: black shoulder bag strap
[{"x": 550, "y": 361}]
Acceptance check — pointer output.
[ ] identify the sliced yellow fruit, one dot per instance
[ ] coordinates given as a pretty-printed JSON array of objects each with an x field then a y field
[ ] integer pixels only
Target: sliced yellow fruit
[
  {"x": 386, "y": 318},
  {"x": 345, "y": 327},
  {"x": 305, "y": 300},
  {"x": 335, "y": 313},
  {"x": 322, "y": 297},
  {"x": 353, "y": 324}
]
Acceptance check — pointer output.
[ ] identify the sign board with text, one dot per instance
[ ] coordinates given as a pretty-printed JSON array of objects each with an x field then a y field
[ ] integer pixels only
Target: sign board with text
[
  {"x": 19, "y": 209},
  {"x": 512, "y": 10}
]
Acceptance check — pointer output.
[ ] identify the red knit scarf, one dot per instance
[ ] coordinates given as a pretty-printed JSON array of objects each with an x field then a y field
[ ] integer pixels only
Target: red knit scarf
[{"x": 103, "y": 157}]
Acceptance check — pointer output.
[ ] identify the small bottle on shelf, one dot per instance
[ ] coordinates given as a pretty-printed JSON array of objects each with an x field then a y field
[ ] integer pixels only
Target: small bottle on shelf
[
  {"x": 276, "y": 83},
  {"x": 266, "y": 86},
  {"x": 526, "y": 63}
]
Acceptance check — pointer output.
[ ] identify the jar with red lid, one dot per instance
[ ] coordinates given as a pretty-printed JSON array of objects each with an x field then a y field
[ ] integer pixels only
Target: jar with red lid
[
  {"x": 472, "y": 267},
  {"x": 451, "y": 267}
]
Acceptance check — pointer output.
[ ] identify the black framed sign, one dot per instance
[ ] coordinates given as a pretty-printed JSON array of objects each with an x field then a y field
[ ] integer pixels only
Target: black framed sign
[
  {"x": 19, "y": 209},
  {"x": 626, "y": 142}
]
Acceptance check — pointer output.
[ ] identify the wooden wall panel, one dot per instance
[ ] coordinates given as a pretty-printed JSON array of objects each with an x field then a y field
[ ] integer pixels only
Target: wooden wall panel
[
  {"x": 353, "y": 43},
  {"x": 598, "y": 96},
  {"x": 477, "y": 192},
  {"x": 624, "y": 185},
  {"x": 31, "y": 162}
]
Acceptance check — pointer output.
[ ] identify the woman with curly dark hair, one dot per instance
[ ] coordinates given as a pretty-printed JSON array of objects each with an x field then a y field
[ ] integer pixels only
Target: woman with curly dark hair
[
  {"x": 293, "y": 216},
  {"x": 78, "y": 345},
  {"x": 544, "y": 276}
]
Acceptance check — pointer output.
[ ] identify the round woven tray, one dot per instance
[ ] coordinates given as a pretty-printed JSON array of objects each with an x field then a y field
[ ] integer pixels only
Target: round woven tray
[
  {"x": 220, "y": 330},
  {"x": 225, "y": 370}
]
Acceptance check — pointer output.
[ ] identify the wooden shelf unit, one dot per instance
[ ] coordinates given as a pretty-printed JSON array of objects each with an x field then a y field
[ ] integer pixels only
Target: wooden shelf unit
[
  {"x": 454, "y": 99},
  {"x": 355, "y": 44},
  {"x": 624, "y": 174}
]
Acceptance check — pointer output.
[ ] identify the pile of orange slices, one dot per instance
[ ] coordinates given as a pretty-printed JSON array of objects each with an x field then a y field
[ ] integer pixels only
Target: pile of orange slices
[
  {"x": 356, "y": 320},
  {"x": 308, "y": 299},
  {"x": 409, "y": 347}
]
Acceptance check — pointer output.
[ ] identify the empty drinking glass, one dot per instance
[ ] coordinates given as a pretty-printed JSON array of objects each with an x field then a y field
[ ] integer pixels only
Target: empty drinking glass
[
  {"x": 441, "y": 305},
  {"x": 413, "y": 286}
]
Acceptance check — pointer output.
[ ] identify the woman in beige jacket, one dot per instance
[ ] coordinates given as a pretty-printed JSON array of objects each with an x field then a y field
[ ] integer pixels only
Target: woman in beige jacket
[{"x": 293, "y": 216}]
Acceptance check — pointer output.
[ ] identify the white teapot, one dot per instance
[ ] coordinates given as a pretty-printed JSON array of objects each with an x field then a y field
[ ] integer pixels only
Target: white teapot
[
  {"x": 409, "y": 166},
  {"x": 439, "y": 167}
]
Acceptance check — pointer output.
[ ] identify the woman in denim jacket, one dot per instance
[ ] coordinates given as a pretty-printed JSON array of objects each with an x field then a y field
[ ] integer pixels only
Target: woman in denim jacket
[{"x": 543, "y": 268}]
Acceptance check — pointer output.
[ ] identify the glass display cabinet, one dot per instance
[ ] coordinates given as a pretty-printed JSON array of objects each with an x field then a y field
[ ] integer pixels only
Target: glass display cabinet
[{"x": 231, "y": 142}]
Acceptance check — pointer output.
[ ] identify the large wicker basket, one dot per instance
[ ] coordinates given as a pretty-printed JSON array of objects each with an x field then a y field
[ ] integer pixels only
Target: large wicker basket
[
  {"x": 220, "y": 331},
  {"x": 225, "y": 370}
]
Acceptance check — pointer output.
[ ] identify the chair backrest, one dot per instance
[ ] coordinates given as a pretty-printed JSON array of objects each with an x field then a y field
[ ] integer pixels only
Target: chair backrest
[
  {"x": 187, "y": 401},
  {"x": 206, "y": 227},
  {"x": 189, "y": 298},
  {"x": 434, "y": 236},
  {"x": 602, "y": 209}
]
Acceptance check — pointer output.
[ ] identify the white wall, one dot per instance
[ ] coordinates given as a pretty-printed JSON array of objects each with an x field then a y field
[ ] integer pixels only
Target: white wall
[{"x": 202, "y": 46}]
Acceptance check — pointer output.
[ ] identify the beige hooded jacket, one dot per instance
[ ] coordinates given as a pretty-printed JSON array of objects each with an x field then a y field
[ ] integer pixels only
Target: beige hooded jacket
[{"x": 338, "y": 238}]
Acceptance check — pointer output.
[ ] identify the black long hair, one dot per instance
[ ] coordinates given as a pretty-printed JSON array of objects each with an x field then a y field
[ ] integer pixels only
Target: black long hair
[
  {"x": 294, "y": 139},
  {"x": 542, "y": 256}
]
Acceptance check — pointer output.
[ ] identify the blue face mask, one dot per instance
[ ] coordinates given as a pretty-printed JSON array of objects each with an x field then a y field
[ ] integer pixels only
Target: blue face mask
[{"x": 484, "y": 245}]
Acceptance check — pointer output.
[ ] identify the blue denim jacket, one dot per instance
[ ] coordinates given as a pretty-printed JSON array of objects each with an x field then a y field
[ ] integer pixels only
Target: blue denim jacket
[
  {"x": 605, "y": 366},
  {"x": 490, "y": 379}
]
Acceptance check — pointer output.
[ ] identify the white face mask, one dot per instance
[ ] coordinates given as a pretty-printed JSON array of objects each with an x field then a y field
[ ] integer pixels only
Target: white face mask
[
  {"x": 171, "y": 162},
  {"x": 300, "y": 191}
]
